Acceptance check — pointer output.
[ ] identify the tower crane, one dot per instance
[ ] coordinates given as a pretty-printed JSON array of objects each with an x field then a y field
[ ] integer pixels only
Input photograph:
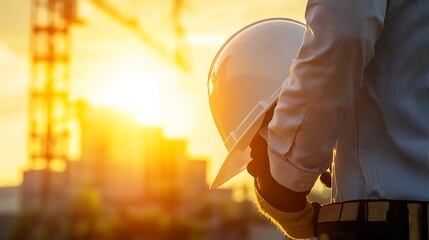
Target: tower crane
[{"x": 49, "y": 106}]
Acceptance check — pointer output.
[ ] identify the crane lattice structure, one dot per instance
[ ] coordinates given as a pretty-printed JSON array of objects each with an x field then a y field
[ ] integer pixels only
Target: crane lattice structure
[
  {"x": 49, "y": 104},
  {"x": 49, "y": 87}
]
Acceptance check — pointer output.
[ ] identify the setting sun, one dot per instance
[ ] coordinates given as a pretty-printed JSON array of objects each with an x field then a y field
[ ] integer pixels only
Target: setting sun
[
  {"x": 137, "y": 95},
  {"x": 128, "y": 85}
]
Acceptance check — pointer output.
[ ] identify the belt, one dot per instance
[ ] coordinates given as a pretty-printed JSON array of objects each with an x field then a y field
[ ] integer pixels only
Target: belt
[{"x": 400, "y": 219}]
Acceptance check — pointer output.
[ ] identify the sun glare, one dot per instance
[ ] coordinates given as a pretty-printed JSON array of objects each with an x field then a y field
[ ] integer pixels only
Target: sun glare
[{"x": 135, "y": 94}]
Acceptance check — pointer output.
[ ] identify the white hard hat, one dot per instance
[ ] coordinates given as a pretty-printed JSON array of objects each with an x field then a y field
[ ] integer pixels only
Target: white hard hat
[{"x": 245, "y": 79}]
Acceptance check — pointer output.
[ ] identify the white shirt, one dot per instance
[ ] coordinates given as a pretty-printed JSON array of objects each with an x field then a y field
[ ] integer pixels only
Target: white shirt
[{"x": 361, "y": 82}]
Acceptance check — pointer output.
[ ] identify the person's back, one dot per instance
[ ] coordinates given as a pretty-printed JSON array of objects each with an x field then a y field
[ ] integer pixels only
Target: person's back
[{"x": 383, "y": 145}]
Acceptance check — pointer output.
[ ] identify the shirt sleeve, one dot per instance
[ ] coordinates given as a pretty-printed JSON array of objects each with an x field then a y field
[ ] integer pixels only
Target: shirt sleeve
[{"x": 323, "y": 82}]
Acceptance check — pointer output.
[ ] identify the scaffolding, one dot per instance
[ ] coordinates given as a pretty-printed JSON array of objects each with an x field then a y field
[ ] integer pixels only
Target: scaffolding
[{"x": 49, "y": 106}]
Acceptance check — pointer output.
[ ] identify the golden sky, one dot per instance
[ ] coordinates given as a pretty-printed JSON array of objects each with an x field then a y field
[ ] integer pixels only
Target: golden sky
[{"x": 112, "y": 67}]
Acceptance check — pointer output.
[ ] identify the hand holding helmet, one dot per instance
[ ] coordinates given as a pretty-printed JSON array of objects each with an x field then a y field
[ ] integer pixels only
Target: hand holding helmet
[
  {"x": 290, "y": 210},
  {"x": 267, "y": 186}
]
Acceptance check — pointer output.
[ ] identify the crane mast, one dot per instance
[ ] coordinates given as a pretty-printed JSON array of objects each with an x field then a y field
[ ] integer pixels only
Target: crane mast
[
  {"x": 181, "y": 54},
  {"x": 49, "y": 106}
]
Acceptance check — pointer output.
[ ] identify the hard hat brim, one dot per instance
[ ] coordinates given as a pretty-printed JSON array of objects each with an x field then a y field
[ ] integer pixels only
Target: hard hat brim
[
  {"x": 239, "y": 156},
  {"x": 234, "y": 163}
]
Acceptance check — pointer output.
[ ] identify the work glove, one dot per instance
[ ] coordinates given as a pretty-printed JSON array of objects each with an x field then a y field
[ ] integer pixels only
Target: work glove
[{"x": 288, "y": 209}]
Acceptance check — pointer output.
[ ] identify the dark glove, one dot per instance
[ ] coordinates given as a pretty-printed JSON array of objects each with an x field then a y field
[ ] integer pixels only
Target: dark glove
[
  {"x": 290, "y": 210},
  {"x": 275, "y": 194}
]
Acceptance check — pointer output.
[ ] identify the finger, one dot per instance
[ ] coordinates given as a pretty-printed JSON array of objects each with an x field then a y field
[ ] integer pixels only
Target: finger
[
  {"x": 269, "y": 115},
  {"x": 316, "y": 208},
  {"x": 257, "y": 141},
  {"x": 252, "y": 168},
  {"x": 258, "y": 148}
]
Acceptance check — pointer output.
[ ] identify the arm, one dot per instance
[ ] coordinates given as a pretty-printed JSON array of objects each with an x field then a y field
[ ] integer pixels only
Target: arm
[{"x": 323, "y": 83}]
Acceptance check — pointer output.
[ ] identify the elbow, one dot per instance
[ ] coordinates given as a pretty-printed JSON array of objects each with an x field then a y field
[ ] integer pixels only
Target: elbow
[{"x": 330, "y": 21}]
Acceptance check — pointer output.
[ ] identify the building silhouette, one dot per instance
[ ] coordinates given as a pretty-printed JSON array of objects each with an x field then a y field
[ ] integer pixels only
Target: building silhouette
[{"x": 127, "y": 164}]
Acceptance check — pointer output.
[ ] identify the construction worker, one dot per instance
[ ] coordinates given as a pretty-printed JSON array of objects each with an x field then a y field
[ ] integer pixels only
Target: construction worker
[{"x": 360, "y": 84}]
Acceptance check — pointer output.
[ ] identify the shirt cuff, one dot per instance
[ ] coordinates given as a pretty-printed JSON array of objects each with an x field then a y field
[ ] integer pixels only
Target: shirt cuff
[
  {"x": 289, "y": 176},
  {"x": 285, "y": 173}
]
